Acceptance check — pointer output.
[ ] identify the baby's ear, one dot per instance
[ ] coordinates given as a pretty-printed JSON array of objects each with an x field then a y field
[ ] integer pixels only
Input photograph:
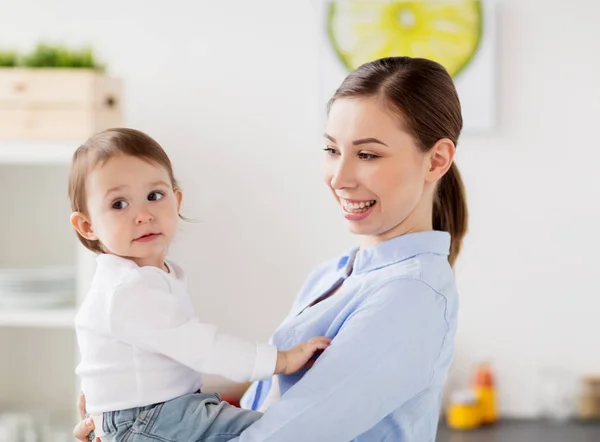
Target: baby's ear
[
  {"x": 81, "y": 223},
  {"x": 179, "y": 198}
]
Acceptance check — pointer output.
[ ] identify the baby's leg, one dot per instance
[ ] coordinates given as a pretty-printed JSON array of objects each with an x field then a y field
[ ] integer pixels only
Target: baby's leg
[{"x": 194, "y": 417}]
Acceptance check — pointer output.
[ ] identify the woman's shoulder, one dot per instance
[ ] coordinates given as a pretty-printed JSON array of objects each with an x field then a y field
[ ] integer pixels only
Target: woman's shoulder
[{"x": 421, "y": 276}]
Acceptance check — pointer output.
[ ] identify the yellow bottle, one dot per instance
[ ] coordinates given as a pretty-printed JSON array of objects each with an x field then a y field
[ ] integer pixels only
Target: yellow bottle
[
  {"x": 485, "y": 389},
  {"x": 463, "y": 412}
]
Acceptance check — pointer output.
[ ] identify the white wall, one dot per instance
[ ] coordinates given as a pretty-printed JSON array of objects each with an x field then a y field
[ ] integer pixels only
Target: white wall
[
  {"x": 231, "y": 90},
  {"x": 528, "y": 277}
]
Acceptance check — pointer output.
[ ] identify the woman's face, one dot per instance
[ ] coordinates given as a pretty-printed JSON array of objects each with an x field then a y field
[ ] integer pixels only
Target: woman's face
[{"x": 381, "y": 180}]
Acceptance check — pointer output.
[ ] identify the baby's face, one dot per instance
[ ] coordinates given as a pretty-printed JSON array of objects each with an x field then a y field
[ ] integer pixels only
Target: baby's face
[{"x": 133, "y": 209}]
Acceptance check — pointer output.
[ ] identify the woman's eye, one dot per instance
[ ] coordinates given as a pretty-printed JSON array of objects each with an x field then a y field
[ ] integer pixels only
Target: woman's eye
[
  {"x": 330, "y": 150},
  {"x": 119, "y": 205},
  {"x": 367, "y": 156},
  {"x": 155, "y": 196}
]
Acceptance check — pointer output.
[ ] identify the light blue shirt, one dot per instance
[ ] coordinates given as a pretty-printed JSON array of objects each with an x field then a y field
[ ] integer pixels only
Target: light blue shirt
[{"x": 392, "y": 322}]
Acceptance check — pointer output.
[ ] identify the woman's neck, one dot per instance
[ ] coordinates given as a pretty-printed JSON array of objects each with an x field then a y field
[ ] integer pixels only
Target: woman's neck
[{"x": 367, "y": 241}]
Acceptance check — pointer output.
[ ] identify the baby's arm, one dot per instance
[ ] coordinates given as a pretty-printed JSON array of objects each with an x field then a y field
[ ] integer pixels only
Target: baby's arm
[{"x": 145, "y": 313}]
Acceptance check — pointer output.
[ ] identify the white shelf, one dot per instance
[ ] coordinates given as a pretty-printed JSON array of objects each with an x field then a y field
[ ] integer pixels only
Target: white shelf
[
  {"x": 51, "y": 318},
  {"x": 36, "y": 153}
]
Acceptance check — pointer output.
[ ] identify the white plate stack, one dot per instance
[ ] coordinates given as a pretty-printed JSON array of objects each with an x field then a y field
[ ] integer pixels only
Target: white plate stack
[{"x": 45, "y": 288}]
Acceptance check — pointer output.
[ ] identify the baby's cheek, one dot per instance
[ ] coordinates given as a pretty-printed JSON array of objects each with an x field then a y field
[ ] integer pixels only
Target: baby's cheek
[
  {"x": 170, "y": 229},
  {"x": 117, "y": 241}
]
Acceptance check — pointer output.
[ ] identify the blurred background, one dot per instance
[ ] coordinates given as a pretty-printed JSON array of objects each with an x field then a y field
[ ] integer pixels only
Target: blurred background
[{"x": 235, "y": 92}]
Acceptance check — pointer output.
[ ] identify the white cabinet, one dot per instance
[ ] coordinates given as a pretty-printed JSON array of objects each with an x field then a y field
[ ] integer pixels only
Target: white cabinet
[
  {"x": 45, "y": 114},
  {"x": 38, "y": 348}
]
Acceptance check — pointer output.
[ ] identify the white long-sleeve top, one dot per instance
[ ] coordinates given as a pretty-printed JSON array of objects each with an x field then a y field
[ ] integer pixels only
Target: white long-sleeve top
[{"x": 141, "y": 342}]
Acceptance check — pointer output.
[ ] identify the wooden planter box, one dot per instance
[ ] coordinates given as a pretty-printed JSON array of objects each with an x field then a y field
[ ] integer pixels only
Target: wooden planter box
[{"x": 57, "y": 104}]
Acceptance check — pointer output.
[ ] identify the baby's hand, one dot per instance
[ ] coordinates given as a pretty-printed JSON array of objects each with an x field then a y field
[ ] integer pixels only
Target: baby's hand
[{"x": 296, "y": 358}]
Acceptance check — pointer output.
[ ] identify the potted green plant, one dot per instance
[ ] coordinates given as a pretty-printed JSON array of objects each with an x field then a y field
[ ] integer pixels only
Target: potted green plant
[
  {"x": 59, "y": 56},
  {"x": 8, "y": 59},
  {"x": 56, "y": 93}
]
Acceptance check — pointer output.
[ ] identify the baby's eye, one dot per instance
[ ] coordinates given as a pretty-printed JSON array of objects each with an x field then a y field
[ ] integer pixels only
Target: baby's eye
[
  {"x": 155, "y": 196},
  {"x": 119, "y": 205}
]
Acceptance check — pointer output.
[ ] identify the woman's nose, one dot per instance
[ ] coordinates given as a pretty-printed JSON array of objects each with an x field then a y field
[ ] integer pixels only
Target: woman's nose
[{"x": 342, "y": 176}]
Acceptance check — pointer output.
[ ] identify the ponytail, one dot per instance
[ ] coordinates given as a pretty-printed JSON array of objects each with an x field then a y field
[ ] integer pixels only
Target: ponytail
[{"x": 450, "y": 212}]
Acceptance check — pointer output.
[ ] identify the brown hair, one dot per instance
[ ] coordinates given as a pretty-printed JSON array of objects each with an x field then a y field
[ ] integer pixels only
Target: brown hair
[
  {"x": 423, "y": 94},
  {"x": 101, "y": 147}
]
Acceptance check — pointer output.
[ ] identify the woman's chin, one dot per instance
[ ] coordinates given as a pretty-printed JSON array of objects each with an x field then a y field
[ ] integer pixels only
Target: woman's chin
[{"x": 361, "y": 228}]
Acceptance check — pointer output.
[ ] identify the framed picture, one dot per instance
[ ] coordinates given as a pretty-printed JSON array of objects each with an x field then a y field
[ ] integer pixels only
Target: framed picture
[{"x": 458, "y": 34}]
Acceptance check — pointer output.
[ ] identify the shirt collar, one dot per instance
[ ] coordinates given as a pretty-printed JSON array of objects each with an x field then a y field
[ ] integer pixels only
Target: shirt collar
[
  {"x": 117, "y": 261},
  {"x": 114, "y": 260},
  {"x": 394, "y": 250}
]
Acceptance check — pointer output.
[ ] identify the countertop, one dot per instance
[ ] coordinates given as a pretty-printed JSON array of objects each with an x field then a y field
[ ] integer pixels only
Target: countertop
[{"x": 525, "y": 431}]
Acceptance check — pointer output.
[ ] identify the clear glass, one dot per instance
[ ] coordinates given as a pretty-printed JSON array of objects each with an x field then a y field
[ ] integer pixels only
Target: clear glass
[{"x": 557, "y": 394}]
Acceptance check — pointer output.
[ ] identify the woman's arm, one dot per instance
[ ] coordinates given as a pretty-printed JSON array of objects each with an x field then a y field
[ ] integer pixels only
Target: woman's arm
[
  {"x": 384, "y": 355},
  {"x": 320, "y": 276},
  {"x": 273, "y": 395}
]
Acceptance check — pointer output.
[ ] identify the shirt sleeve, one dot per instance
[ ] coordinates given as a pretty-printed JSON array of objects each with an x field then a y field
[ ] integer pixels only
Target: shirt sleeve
[
  {"x": 145, "y": 313},
  {"x": 384, "y": 355}
]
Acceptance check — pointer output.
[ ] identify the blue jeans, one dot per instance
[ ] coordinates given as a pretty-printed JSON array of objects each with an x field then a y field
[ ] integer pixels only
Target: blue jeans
[{"x": 190, "y": 418}]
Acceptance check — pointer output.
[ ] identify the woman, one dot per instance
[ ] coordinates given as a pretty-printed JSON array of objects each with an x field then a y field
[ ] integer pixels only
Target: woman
[{"x": 390, "y": 304}]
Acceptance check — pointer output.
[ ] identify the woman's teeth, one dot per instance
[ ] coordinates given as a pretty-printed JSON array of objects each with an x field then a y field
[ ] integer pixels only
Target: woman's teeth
[{"x": 357, "y": 207}]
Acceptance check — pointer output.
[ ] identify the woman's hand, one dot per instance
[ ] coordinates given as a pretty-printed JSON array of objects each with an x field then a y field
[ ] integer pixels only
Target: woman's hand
[{"x": 83, "y": 429}]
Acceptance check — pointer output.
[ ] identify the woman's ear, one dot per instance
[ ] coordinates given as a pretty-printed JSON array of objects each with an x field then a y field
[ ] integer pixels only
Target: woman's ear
[
  {"x": 441, "y": 156},
  {"x": 83, "y": 225}
]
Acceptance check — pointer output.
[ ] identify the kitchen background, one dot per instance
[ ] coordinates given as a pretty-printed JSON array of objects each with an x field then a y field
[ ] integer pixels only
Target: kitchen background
[{"x": 234, "y": 92}]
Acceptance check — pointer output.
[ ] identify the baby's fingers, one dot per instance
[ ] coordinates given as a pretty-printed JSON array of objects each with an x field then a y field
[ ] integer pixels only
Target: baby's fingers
[{"x": 318, "y": 343}]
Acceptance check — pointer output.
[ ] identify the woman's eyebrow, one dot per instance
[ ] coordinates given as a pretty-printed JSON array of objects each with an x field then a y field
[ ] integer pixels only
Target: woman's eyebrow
[
  {"x": 359, "y": 142},
  {"x": 368, "y": 141}
]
